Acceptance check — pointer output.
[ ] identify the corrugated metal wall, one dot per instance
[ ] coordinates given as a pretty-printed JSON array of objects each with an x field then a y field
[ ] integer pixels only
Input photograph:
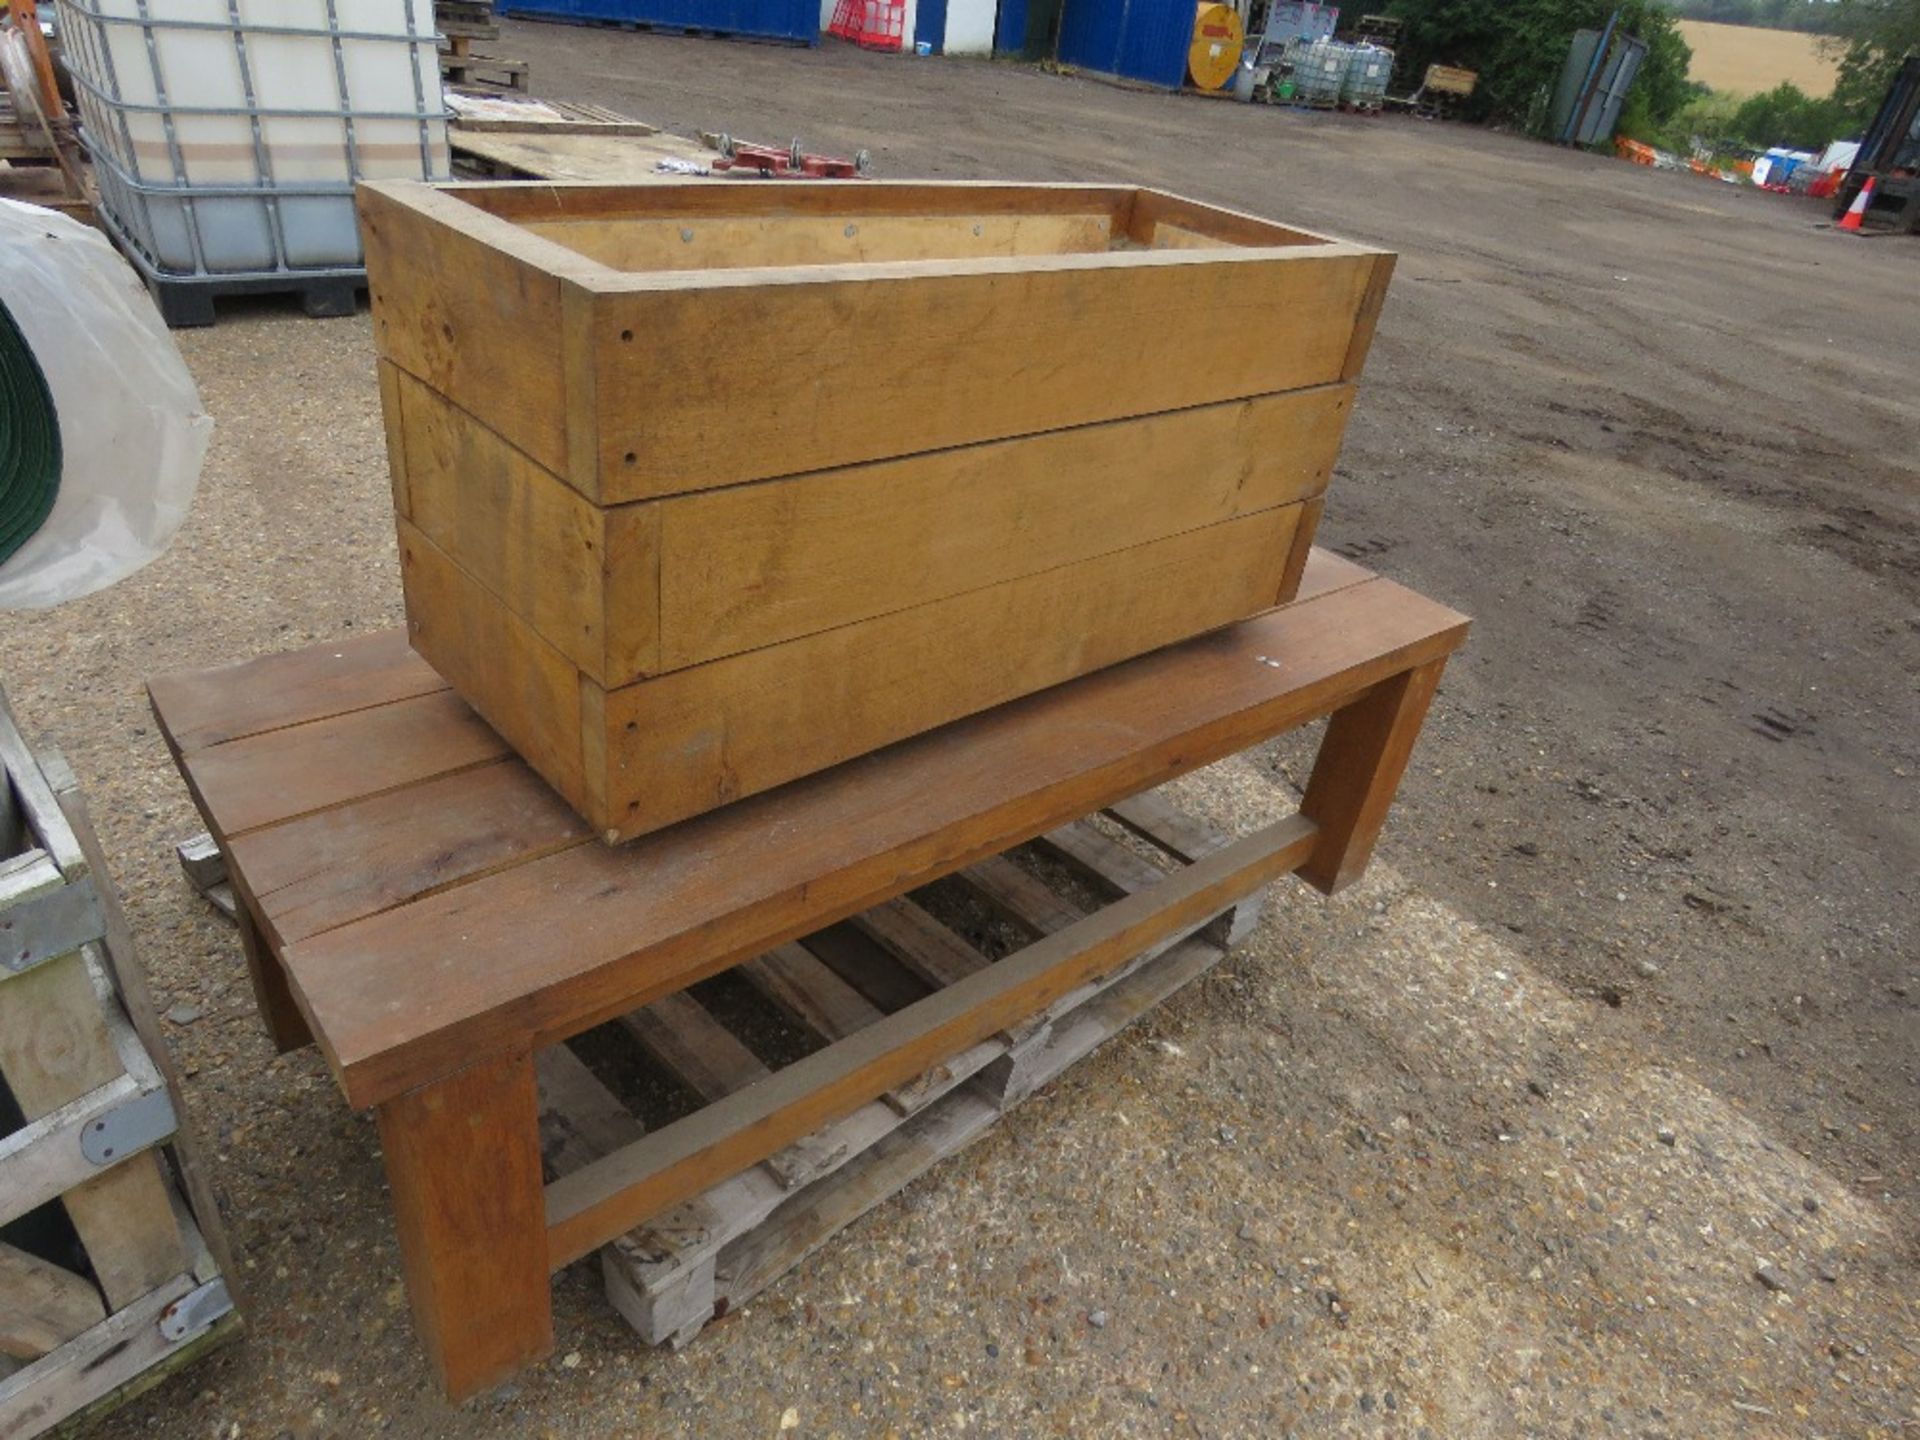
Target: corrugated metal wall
[
  {"x": 1140, "y": 39},
  {"x": 765, "y": 19}
]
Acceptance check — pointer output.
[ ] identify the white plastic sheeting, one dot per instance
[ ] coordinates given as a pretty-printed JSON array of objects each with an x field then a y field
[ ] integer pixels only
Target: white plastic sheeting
[{"x": 133, "y": 433}]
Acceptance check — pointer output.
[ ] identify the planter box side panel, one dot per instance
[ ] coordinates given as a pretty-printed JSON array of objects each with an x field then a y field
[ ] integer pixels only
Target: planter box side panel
[
  {"x": 477, "y": 323},
  {"x": 585, "y": 579},
  {"x": 683, "y": 743},
  {"x": 686, "y": 243},
  {"x": 517, "y": 682},
  {"x": 714, "y": 385},
  {"x": 754, "y": 565}
]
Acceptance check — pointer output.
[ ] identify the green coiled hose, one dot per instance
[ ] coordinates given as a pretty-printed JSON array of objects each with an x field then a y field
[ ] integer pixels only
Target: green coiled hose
[{"x": 29, "y": 440}]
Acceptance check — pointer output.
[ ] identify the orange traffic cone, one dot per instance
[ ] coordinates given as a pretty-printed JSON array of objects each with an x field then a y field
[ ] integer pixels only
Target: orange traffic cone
[{"x": 1856, "y": 212}]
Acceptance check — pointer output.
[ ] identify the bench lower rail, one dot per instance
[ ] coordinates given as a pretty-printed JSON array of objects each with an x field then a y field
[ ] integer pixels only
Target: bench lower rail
[{"x": 612, "y": 1195}]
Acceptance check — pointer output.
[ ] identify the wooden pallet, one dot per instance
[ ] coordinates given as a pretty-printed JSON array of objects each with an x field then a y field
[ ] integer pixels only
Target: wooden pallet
[
  {"x": 113, "y": 1266},
  {"x": 464, "y": 67},
  {"x": 492, "y": 113},
  {"x": 713, "y": 1253}
]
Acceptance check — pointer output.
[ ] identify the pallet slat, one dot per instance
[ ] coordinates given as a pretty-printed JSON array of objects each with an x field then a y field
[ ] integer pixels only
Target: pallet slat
[{"x": 606, "y": 1198}]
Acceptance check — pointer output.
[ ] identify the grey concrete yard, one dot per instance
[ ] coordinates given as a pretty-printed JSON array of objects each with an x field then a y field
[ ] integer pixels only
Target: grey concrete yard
[{"x": 1497, "y": 1143}]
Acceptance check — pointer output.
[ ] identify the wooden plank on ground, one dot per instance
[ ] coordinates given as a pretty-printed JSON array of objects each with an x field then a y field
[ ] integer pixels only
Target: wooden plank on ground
[
  {"x": 1104, "y": 857},
  {"x": 814, "y": 997},
  {"x": 1022, "y": 895},
  {"x": 45, "y": 1306},
  {"x": 703, "y": 1055},
  {"x": 920, "y": 942},
  {"x": 580, "y": 1119}
]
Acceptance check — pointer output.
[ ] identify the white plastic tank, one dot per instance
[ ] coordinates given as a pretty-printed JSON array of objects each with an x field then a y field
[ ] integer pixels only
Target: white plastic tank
[
  {"x": 1369, "y": 67},
  {"x": 227, "y": 134},
  {"x": 1319, "y": 70}
]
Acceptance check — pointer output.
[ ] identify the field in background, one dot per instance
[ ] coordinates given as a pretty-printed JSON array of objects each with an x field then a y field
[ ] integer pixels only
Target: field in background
[{"x": 1746, "y": 60}]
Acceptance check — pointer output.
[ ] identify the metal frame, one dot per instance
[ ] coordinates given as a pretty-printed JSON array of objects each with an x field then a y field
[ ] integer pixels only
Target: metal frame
[{"x": 129, "y": 198}]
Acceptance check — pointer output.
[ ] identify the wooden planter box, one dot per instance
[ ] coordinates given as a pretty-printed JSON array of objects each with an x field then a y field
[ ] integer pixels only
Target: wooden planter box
[{"x": 705, "y": 487}]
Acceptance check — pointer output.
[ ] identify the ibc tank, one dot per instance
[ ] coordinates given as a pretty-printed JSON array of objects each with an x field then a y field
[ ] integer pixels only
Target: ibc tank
[{"x": 226, "y": 137}]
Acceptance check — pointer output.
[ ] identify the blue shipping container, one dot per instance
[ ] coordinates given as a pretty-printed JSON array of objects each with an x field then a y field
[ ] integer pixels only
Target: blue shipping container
[
  {"x": 1140, "y": 39},
  {"x": 796, "y": 20}
]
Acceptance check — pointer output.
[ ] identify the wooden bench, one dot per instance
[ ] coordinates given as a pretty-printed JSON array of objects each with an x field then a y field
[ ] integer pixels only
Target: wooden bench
[{"x": 421, "y": 905}]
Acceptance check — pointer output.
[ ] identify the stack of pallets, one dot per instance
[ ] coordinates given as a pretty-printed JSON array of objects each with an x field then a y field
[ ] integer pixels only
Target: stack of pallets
[
  {"x": 460, "y": 23},
  {"x": 112, "y": 1262}
]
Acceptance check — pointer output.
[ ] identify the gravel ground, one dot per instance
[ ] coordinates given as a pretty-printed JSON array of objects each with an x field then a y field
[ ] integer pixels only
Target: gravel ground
[{"x": 1592, "y": 1111}]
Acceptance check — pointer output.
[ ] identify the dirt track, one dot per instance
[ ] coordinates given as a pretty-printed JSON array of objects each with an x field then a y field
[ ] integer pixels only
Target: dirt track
[{"x": 1657, "y": 437}]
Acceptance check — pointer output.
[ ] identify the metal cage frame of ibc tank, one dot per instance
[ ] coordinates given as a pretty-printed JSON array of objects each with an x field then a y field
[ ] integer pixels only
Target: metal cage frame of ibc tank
[{"x": 185, "y": 295}]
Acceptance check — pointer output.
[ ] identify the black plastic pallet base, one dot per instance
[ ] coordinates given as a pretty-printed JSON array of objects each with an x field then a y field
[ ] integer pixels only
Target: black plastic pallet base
[{"x": 185, "y": 303}]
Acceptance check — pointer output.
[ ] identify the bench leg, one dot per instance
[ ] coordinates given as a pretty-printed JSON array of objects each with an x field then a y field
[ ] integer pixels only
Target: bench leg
[
  {"x": 286, "y": 1026},
  {"x": 1357, "y": 773},
  {"x": 463, "y": 1161}
]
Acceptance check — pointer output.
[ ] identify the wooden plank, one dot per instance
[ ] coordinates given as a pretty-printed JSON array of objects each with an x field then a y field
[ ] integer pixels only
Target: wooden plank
[
  {"x": 342, "y": 863},
  {"x": 1154, "y": 818},
  {"x": 706, "y": 1057},
  {"x": 810, "y": 994},
  {"x": 456, "y": 302},
  {"x": 33, "y": 800},
  {"x": 45, "y": 1305},
  {"x": 744, "y": 724},
  {"x": 870, "y": 199},
  {"x": 854, "y": 363},
  {"x": 592, "y": 1205},
  {"x": 1295, "y": 569},
  {"x": 1327, "y": 572},
  {"x": 463, "y": 1163},
  {"x": 630, "y": 160},
  {"x": 1368, "y": 318},
  {"x": 264, "y": 778},
  {"x": 97, "y": 1363},
  {"x": 1357, "y": 773},
  {"x": 1022, "y": 895},
  {"x": 54, "y": 1048},
  {"x": 813, "y": 996},
  {"x": 860, "y": 961},
  {"x": 729, "y": 242},
  {"x": 920, "y": 942},
  {"x": 1155, "y": 211},
  {"x": 749, "y": 566},
  {"x": 518, "y": 530},
  {"x": 273, "y": 996},
  {"x": 527, "y": 690},
  {"x": 392, "y": 418},
  {"x": 556, "y": 945},
  {"x": 211, "y": 707},
  {"x": 580, "y": 1119},
  {"x": 1105, "y": 858},
  {"x": 42, "y": 1160}
]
